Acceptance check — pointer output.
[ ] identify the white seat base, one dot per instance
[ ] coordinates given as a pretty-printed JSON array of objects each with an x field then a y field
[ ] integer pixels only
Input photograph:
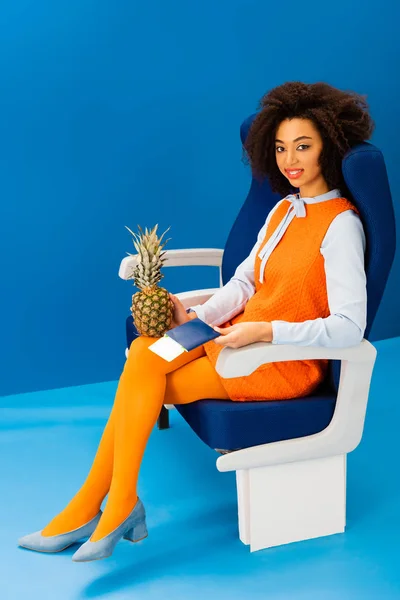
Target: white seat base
[{"x": 287, "y": 503}]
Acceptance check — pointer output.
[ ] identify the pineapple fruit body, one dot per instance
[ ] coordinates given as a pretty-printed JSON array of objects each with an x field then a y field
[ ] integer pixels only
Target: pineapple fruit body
[{"x": 152, "y": 311}]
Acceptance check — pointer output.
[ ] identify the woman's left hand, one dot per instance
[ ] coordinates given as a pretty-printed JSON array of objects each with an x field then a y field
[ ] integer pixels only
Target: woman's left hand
[{"x": 241, "y": 334}]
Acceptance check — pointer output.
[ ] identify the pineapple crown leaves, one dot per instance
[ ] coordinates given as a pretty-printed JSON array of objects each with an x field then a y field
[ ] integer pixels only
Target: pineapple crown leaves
[
  {"x": 148, "y": 241},
  {"x": 149, "y": 256}
]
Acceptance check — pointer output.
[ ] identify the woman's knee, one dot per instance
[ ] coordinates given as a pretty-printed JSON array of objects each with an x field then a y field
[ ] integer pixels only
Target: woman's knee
[
  {"x": 141, "y": 342},
  {"x": 140, "y": 355}
]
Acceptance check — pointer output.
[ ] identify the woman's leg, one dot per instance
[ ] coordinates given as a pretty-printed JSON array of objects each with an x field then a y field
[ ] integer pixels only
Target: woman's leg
[
  {"x": 138, "y": 403},
  {"x": 145, "y": 375},
  {"x": 87, "y": 501}
]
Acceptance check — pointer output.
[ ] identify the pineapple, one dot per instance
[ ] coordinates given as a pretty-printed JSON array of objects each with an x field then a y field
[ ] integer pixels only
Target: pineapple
[{"x": 152, "y": 309}]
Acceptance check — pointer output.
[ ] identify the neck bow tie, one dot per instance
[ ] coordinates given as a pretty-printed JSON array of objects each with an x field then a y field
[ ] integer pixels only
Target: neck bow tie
[{"x": 298, "y": 204}]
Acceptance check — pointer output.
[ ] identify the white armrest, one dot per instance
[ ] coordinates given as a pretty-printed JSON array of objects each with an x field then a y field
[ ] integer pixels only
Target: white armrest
[
  {"x": 195, "y": 296},
  {"x": 236, "y": 362},
  {"x": 344, "y": 432},
  {"x": 188, "y": 257}
]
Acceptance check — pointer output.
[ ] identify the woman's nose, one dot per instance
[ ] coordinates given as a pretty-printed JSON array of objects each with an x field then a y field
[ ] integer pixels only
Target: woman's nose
[{"x": 291, "y": 160}]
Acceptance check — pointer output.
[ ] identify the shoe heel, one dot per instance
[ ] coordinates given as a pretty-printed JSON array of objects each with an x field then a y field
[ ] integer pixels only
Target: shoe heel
[{"x": 137, "y": 533}]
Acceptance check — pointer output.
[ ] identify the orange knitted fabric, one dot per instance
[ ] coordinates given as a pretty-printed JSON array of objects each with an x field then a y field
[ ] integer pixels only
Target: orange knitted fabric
[{"x": 293, "y": 290}]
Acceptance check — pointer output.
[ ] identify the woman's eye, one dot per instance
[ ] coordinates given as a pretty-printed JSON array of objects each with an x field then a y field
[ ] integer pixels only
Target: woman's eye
[{"x": 279, "y": 148}]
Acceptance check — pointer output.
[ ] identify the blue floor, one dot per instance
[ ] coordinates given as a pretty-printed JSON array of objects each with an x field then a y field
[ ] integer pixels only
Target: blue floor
[{"x": 48, "y": 440}]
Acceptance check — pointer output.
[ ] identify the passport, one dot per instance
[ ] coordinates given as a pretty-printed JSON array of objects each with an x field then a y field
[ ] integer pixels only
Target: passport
[{"x": 183, "y": 338}]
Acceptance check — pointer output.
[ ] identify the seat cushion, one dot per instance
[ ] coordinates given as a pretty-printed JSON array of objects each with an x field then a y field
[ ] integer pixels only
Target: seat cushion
[{"x": 228, "y": 425}]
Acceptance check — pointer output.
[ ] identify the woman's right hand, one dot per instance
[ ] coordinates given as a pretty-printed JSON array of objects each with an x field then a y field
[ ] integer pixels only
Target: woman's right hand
[{"x": 180, "y": 315}]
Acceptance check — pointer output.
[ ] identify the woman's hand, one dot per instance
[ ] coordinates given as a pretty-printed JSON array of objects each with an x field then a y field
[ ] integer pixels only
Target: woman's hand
[
  {"x": 180, "y": 315},
  {"x": 241, "y": 334}
]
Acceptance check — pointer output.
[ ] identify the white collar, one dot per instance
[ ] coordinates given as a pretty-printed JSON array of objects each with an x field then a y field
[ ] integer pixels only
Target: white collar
[
  {"x": 299, "y": 205},
  {"x": 299, "y": 202}
]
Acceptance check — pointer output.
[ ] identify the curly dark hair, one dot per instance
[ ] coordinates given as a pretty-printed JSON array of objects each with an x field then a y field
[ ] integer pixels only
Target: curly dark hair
[{"x": 341, "y": 117}]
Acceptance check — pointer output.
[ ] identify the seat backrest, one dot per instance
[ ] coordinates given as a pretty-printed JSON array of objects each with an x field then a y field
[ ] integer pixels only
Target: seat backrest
[{"x": 365, "y": 174}]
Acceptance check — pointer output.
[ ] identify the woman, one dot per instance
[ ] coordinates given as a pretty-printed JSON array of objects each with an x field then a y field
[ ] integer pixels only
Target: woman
[{"x": 303, "y": 283}]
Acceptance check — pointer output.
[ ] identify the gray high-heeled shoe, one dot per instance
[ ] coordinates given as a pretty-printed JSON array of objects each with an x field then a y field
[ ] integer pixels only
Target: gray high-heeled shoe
[
  {"x": 55, "y": 543},
  {"x": 133, "y": 529}
]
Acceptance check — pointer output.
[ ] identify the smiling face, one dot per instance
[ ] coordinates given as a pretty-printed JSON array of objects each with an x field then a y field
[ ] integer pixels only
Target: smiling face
[{"x": 298, "y": 145}]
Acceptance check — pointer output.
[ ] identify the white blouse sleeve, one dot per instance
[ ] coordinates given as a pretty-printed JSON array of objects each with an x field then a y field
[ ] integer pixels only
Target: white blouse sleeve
[
  {"x": 231, "y": 299},
  {"x": 343, "y": 250}
]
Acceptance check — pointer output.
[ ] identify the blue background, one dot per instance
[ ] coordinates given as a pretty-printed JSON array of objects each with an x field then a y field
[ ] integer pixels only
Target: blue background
[{"x": 125, "y": 113}]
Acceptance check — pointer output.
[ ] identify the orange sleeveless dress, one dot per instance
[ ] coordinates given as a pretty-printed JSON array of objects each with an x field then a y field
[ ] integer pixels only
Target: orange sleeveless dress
[{"x": 293, "y": 290}]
